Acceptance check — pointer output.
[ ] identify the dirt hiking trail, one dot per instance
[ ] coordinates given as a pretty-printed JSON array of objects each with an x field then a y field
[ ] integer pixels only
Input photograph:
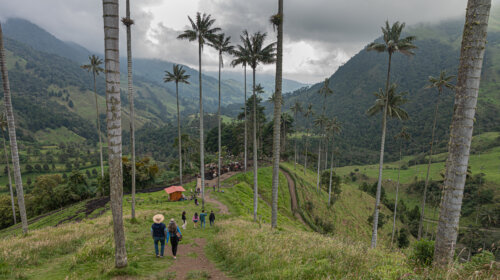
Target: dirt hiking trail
[{"x": 293, "y": 196}]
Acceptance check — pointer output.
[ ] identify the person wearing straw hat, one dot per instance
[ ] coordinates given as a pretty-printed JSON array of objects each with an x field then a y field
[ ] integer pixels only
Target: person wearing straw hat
[
  {"x": 159, "y": 232},
  {"x": 175, "y": 235}
]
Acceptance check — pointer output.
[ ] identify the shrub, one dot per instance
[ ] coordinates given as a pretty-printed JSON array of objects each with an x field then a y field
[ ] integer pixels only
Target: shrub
[
  {"x": 403, "y": 240},
  {"x": 479, "y": 261},
  {"x": 423, "y": 252}
]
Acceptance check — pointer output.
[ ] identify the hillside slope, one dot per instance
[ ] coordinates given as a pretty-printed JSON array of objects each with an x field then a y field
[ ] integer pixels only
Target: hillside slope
[{"x": 355, "y": 81}]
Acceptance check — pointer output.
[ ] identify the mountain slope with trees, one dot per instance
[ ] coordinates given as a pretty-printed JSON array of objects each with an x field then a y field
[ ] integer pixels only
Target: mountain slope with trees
[{"x": 355, "y": 81}]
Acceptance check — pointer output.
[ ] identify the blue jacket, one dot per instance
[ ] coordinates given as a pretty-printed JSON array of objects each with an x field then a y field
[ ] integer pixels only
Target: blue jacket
[{"x": 168, "y": 233}]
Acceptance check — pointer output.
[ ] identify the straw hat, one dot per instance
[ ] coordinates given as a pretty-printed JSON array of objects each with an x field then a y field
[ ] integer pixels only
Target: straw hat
[{"x": 158, "y": 218}]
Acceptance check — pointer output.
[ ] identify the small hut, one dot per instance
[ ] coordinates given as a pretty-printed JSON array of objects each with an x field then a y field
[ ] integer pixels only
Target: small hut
[{"x": 175, "y": 192}]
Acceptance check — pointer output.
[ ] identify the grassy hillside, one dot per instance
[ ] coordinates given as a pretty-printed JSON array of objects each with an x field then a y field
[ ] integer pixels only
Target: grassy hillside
[
  {"x": 84, "y": 249},
  {"x": 347, "y": 218}
]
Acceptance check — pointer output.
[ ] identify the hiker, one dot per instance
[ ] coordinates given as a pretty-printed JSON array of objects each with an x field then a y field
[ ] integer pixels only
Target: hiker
[
  {"x": 202, "y": 218},
  {"x": 196, "y": 201},
  {"x": 159, "y": 232},
  {"x": 211, "y": 218},
  {"x": 175, "y": 235},
  {"x": 214, "y": 187},
  {"x": 184, "y": 220},
  {"x": 195, "y": 219}
]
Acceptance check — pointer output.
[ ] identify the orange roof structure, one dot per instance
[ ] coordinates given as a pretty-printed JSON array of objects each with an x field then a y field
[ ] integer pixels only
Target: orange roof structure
[{"x": 173, "y": 189}]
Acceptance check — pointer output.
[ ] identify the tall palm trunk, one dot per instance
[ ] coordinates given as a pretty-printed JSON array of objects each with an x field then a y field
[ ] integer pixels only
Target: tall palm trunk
[
  {"x": 326, "y": 153},
  {"x": 277, "y": 118},
  {"x": 424, "y": 197},
  {"x": 12, "y": 135},
  {"x": 179, "y": 131},
  {"x": 469, "y": 74},
  {"x": 202, "y": 146},
  {"x": 10, "y": 179},
  {"x": 114, "y": 126},
  {"x": 255, "y": 185},
  {"x": 330, "y": 183},
  {"x": 219, "y": 137},
  {"x": 397, "y": 193},
  {"x": 307, "y": 138},
  {"x": 295, "y": 148},
  {"x": 246, "y": 123},
  {"x": 319, "y": 163},
  {"x": 381, "y": 162},
  {"x": 98, "y": 126},
  {"x": 131, "y": 102}
]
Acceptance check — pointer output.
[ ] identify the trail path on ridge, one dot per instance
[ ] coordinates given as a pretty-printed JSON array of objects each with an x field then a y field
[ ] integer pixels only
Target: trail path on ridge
[
  {"x": 191, "y": 257},
  {"x": 293, "y": 196}
]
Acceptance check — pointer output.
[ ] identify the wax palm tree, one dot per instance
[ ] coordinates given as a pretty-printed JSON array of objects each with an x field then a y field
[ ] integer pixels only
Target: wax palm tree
[
  {"x": 95, "y": 67},
  {"x": 307, "y": 113},
  {"x": 178, "y": 75},
  {"x": 392, "y": 43},
  {"x": 128, "y": 22},
  {"x": 333, "y": 127},
  {"x": 390, "y": 106},
  {"x": 257, "y": 54},
  {"x": 114, "y": 127},
  {"x": 241, "y": 57},
  {"x": 469, "y": 73},
  {"x": 325, "y": 91},
  {"x": 296, "y": 108},
  {"x": 12, "y": 135},
  {"x": 202, "y": 30},
  {"x": 277, "y": 21},
  {"x": 3, "y": 127},
  {"x": 221, "y": 44},
  {"x": 443, "y": 81},
  {"x": 320, "y": 122},
  {"x": 402, "y": 136},
  {"x": 286, "y": 122}
]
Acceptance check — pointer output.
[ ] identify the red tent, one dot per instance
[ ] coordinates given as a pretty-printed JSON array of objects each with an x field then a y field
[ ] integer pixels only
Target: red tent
[{"x": 175, "y": 192}]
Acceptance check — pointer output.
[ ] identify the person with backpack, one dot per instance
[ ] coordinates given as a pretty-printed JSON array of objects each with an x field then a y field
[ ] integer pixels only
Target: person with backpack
[
  {"x": 211, "y": 218},
  {"x": 195, "y": 219},
  {"x": 184, "y": 220},
  {"x": 202, "y": 218},
  {"x": 175, "y": 235},
  {"x": 159, "y": 232}
]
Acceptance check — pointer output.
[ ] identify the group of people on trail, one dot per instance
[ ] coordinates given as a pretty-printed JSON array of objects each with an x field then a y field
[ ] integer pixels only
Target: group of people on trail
[
  {"x": 201, "y": 218},
  {"x": 162, "y": 233}
]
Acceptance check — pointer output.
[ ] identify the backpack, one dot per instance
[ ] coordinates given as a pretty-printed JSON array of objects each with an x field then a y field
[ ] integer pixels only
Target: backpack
[{"x": 158, "y": 230}]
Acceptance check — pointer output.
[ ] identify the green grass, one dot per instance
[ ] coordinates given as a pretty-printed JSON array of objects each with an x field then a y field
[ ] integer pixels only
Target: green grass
[
  {"x": 62, "y": 134},
  {"x": 348, "y": 217}
]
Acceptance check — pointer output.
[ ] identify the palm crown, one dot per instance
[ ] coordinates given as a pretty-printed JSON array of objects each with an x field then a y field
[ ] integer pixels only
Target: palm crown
[
  {"x": 94, "y": 66},
  {"x": 201, "y": 30},
  {"x": 392, "y": 41},
  {"x": 325, "y": 90},
  {"x": 178, "y": 75},
  {"x": 241, "y": 54},
  {"x": 441, "y": 81},
  {"x": 403, "y": 134},
  {"x": 333, "y": 126},
  {"x": 297, "y": 107},
  {"x": 222, "y": 44},
  {"x": 394, "y": 103},
  {"x": 256, "y": 51}
]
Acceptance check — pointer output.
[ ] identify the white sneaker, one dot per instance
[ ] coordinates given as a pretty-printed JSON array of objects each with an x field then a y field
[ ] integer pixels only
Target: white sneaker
[{"x": 175, "y": 258}]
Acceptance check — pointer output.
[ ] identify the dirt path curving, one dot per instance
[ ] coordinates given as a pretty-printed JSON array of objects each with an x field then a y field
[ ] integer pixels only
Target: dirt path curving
[
  {"x": 293, "y": 196},
  {"x": 191, "y": 258}
]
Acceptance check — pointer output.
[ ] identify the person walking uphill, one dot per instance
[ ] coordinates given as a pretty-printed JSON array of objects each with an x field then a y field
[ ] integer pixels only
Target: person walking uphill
[
  {"x": 202, "y": 218},
  {"x": 175, "y": 235},
  {"x": 195, "y": 219},
  {"x": 183, "y": 219},
  {"x": 211, "y": 218},
  {"x": 159, "y": 232}
]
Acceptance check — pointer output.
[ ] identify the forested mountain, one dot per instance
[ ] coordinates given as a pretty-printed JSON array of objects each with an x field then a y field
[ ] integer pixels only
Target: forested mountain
[
  {"x": 355, "y": 82},
  {"x": 149, "y": 71}
]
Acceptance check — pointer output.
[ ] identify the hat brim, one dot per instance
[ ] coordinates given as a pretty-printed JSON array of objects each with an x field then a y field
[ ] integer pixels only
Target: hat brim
[{"x": 158, "y": 218}]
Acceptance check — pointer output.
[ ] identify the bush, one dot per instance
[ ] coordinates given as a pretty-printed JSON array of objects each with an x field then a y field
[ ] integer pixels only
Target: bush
[
  {"x": 478, "y": 261},
  {"x": 423, "y": 252},
  {"x": 381, "y": 219},
  {"x": 403, "y": 240}
]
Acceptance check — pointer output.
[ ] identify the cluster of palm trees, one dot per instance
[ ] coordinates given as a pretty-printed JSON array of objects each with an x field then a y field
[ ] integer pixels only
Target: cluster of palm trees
[
  {"x": 389, "y": 102},
  {"x": 253, "y": 52}
]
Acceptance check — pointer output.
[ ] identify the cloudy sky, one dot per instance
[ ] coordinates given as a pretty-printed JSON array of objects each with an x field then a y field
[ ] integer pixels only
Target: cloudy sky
[{"x": 320, "y": 35}]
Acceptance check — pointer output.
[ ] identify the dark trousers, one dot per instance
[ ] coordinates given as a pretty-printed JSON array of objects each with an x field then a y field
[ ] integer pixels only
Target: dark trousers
[
  {"x": 174, "y": 241},
  {"x": 212, "y": 222},
  {"x": 162, "y": 242}
]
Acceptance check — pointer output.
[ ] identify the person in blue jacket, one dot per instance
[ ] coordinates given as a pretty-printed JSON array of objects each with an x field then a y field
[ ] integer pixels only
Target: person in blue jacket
[
  {"x": 174, "y": 235},
  {"x": 159, "y": 232}
]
